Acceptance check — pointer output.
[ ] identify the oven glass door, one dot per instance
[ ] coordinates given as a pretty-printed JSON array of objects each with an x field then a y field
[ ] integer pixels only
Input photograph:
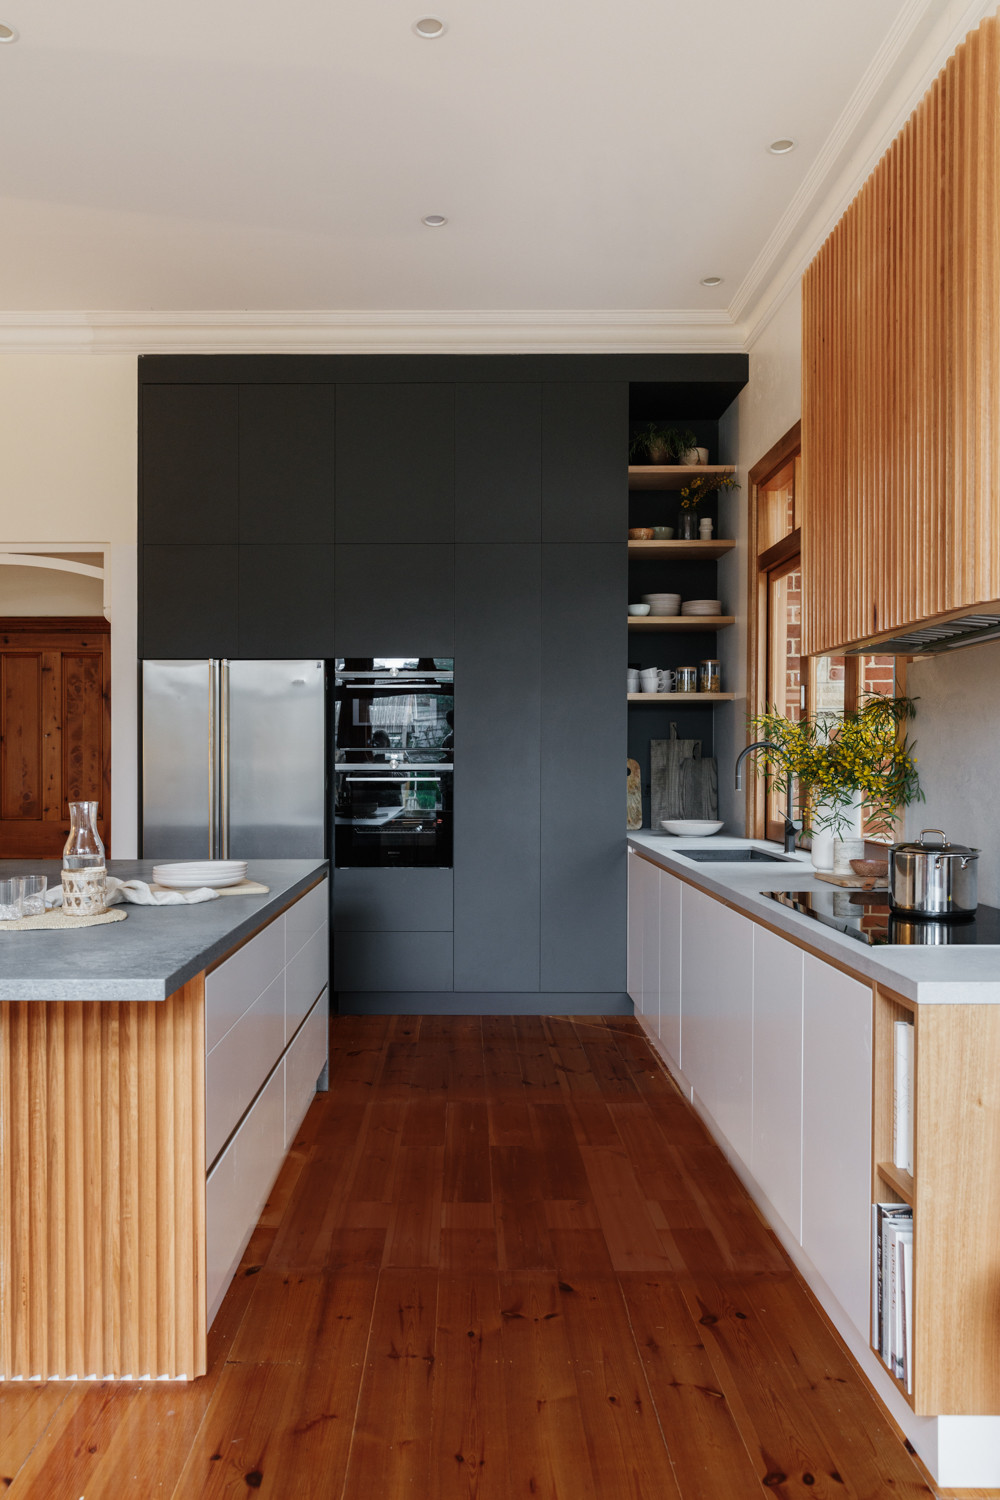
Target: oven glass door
[{"x": 393, "y": 817}]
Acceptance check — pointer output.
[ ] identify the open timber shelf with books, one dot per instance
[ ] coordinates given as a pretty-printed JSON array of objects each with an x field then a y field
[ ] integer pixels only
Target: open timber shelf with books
[{"x": 952, "y": 1192}]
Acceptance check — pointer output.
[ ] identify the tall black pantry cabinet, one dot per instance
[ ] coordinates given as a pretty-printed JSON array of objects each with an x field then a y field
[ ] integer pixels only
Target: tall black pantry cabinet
[{"x": 473, "y": 507}]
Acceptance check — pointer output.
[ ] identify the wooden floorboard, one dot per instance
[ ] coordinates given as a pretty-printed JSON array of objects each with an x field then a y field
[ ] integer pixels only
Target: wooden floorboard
[{"x": 503, "y": 1259}]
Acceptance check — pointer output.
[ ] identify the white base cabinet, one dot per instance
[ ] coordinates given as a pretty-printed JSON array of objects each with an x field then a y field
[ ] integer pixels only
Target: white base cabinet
[
  {"x": 776, "y": 1156},
  {"x": 836, "y": 1133},
  {"x": 266, "y": 1037},
  {"x": 717, "y": 1013}
]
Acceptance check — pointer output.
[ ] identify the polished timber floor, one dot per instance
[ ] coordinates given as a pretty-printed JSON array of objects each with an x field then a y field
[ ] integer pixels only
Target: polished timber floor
[{"x": 503, "y": 1260}]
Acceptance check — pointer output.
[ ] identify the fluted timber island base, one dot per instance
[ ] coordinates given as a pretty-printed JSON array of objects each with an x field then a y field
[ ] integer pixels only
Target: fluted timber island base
[{"x": 103, "y": 1131}]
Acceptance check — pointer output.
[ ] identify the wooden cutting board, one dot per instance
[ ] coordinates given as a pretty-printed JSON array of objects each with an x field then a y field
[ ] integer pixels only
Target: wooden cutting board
[
  {"x": 700, "y": 787},
  {"x": 666, "y": 758},
  {"x": 633, "y": 796}
]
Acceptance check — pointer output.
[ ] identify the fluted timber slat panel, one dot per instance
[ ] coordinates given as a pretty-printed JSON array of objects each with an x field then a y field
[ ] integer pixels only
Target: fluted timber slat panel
[
  {"x": 102, "y": 1188},
  {"x": 901, "y": 373}
]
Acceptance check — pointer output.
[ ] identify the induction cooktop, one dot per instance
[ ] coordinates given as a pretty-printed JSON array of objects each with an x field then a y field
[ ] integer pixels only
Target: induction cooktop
[{"x": 866, "y": 916}]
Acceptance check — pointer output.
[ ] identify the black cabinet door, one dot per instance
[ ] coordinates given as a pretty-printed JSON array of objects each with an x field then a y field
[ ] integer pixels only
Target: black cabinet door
[
  {"x": 286, "y": 601},
  {"x": 497, "y": 787},
  {"x": 583, "y": 758},
  {"x": 189, "y": 601},
  {"x": 395, "y": 463},
  {"x": 395, "y": 601},
  {"x": 498, "y": 463},
  {"x": 286, "y": 446},
  {"x": 585, "y": 461},
  {"x": 189, "y": 463}
]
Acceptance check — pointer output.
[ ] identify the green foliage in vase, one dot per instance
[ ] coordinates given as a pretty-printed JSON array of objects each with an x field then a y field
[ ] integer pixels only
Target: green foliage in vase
[
  {"x": 656, "y": 444},
  {"x": 695, "y": 491},
  {"x": 835, "y": 758}
]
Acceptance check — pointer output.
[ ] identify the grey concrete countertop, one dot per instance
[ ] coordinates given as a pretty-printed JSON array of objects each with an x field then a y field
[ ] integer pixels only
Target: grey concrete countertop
[
  {"x": 948, "y": 975},
  {"x": 151, "y": 954}
]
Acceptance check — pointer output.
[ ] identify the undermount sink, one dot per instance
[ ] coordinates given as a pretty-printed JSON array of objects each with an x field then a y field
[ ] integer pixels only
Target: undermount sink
[{"x": 735, "y": 856}]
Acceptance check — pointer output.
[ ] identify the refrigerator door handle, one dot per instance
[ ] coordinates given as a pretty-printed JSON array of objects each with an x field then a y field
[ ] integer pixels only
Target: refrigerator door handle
[
  {"x": 213, "y": 740},
  {"x": 224, "y": 758}
]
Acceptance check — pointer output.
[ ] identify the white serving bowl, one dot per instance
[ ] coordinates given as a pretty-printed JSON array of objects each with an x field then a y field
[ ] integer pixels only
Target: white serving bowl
[
  {"x": 639, "y": 609},
  {"x": 690, "y": 828}
]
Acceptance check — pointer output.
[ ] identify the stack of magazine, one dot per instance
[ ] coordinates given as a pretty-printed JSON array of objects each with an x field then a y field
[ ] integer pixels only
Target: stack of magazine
[{"x": 892, "y": 1280}]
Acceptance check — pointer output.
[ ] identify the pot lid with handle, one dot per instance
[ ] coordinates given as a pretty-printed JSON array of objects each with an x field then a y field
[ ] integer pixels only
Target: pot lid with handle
[{"x": 944, "y": 848}]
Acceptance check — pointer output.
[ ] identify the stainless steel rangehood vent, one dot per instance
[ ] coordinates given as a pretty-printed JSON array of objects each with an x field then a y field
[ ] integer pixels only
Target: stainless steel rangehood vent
[{"x": 927, "y": 640}]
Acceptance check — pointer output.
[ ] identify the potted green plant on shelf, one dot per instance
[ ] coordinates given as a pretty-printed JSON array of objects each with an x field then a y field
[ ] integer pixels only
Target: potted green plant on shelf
[
  {"x": 694, "y": 492},
  {"x": 656, "y": 444},
  {"x": 861, "y": 762}
]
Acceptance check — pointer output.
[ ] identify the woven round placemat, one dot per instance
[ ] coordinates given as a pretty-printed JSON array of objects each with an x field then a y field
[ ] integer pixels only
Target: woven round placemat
[{"x": 54, "y": 921}]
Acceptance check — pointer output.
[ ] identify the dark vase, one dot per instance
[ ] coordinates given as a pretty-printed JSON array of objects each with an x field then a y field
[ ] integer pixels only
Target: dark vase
[{"x": 688, "y": 531}]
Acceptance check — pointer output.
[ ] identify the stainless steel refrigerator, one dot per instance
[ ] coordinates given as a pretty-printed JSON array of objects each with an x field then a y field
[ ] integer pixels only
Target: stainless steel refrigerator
[{"x": 233, "y": 759}]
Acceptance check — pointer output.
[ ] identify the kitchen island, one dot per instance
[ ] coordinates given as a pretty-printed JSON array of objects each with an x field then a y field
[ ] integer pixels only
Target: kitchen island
[
  {"x": 780, "y": 1030},
  {"x": 152, "y": 1075}
]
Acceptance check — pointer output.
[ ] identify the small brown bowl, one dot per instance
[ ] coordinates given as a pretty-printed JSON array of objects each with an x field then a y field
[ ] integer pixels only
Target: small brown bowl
[
  {"x": 641, "y": 534},
  {"x": 870, "y": 869}
]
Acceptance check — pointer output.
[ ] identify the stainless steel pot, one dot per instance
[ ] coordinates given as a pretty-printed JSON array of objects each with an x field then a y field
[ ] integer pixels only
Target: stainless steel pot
[{"x": 933, "y": 880}]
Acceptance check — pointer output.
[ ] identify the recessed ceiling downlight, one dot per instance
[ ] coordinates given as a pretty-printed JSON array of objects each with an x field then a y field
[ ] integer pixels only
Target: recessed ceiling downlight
[
  {"x": 429, "y": 28},
  {"x": 711, "y": 281},
  {"x": 434, "y": 221},
  {"x": 7, "y": 33},
  {"x": 782, "y": 147}
]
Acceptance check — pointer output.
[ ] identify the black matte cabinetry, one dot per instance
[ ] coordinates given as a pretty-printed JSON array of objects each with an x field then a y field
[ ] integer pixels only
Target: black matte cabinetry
[
  {"x": 189, "y": 464},
  {"x": 395, "y": 463},
  {"x": 498, "y": 706},
  {"x": 286, "y": 463},
  {"x": 473, "y": 507}
]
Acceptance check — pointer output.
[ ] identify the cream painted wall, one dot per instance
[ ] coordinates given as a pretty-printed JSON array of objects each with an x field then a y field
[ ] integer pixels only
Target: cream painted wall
[
  {"x": 43, "y": 591},
  {"x": 68, "y": 426},
  {"x": 766, "y": 408},
  {"x": 68, "y": 439}
]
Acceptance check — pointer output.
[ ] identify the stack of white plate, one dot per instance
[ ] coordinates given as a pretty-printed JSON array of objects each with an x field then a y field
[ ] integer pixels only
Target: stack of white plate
[
  {"x": 662, "y": 604},
  {"x": 190, "y": 876},
  {"x": 701, "y": 607}
]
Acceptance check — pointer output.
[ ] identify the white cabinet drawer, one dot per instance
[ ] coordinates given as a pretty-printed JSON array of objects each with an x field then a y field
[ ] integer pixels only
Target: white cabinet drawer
[
  {"x": 238, "y": 1064},
  {"x": 238, "y": 1186},
  {"x": 304, "y": 1062},
  {"x": 308, "y": 914},
  {"x": 232, "y": 988},
  {"x": 307, "y": 973}
]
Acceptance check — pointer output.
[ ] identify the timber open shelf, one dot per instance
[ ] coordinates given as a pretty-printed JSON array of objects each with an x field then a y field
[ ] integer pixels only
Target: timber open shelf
[
  {"x": 953, "y": 1191},
  {"x": 692, "y": 698},
  {"x": 680, "y": 622},
  {"x": 671, "y": 476},
  {"x": 680, "y": 551}
]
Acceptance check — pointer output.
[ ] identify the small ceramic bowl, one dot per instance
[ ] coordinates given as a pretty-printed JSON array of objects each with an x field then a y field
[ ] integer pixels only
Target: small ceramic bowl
[
  {"x": 663, "y": 533},
  {"x": 870, "y": 869},
  {"x": 639, "y": 609},
  {"x": 640, "y": 534}
]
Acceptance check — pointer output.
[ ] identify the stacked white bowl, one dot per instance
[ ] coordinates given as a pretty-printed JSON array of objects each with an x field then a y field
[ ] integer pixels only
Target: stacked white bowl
[
  {"x": 662, "y": 604},
  {"x": 193, "y": 874},
  {"x": 702, "y": 607}
]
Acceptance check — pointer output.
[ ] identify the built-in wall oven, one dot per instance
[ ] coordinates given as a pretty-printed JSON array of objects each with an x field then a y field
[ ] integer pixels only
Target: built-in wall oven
[{"x": 394, "y": 742}]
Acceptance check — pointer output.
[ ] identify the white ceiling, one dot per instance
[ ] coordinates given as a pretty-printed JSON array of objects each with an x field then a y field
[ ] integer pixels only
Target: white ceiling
[{"x": 244, "y": 156}]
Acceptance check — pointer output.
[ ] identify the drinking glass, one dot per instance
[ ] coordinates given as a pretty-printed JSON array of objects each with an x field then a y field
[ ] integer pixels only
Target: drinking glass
[
  {"x": 10, "y": 899},
  {"x": 33, "y": 888}
]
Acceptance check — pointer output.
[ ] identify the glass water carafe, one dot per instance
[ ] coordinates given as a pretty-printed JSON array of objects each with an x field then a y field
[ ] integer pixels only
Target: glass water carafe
[{"x": 84, "y": 876}]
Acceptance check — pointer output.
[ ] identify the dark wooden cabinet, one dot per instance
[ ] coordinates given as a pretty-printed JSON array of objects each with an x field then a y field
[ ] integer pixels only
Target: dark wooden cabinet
[
  {"x": 395, "y": 467},
  {"x": 583, "y": 755},
  {"x": 498, "y": 463},
  {"x": 584, "y": 461},
  {"x": 189, "y": 601},
  {"x": 395, "y": 600},
  {"x": 286, "y": 601},
  {"x": 189, "y": 463},
  {"x": 498, "y": 697},
  {"x": 286, "y": 463}
]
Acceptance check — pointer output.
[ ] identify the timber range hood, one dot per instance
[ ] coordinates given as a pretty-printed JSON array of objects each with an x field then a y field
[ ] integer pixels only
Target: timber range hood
[{"x": 929, "y": 639}]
